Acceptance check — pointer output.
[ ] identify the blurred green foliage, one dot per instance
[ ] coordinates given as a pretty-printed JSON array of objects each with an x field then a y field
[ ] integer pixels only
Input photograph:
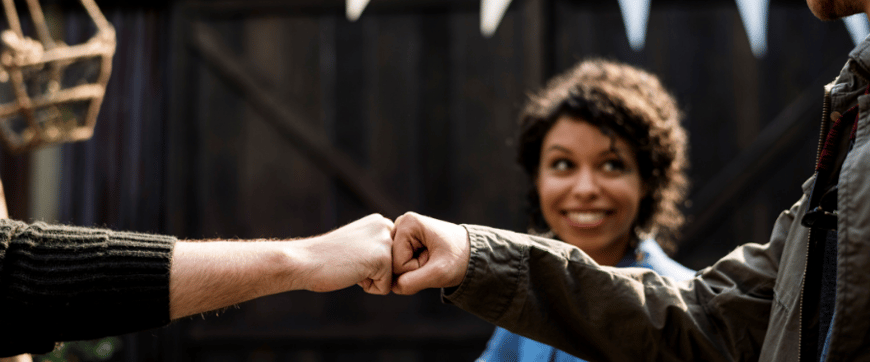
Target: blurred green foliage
[{"x": 82, "y": 351}]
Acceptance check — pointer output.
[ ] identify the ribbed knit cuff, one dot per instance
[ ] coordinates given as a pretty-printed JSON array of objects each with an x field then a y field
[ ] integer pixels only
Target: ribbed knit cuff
[{"x": 60, "y": 283}]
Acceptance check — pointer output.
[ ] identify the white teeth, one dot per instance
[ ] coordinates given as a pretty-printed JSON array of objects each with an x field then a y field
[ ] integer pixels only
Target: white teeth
[{"x": 586, "y": 217}]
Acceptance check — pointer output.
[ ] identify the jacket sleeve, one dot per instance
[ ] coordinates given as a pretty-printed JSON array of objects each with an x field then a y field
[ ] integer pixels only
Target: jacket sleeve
[
  {"x": 62, "y": 283},
  {"x": 554, "y": 293}
]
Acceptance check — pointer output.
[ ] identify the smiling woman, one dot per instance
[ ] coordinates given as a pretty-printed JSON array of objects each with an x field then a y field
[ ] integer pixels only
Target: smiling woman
[
  {"x": 589, "y": 188},
  {"x": 604, "y": 150}
]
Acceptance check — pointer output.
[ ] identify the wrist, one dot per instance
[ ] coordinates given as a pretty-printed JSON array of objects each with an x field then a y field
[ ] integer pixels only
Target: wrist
[
  {"x": 293, "y": 264},
  {"x": 464, "y": 244}
]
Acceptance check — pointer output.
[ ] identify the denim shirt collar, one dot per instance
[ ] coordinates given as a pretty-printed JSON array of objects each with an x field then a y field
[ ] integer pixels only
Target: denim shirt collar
[
  {"x": 650, "y": 255},
  {"x": 861, "y": 53}
]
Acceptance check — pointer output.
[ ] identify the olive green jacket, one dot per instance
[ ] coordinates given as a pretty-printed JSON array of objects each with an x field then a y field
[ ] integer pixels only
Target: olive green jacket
[{"x": 746, "y": 307}]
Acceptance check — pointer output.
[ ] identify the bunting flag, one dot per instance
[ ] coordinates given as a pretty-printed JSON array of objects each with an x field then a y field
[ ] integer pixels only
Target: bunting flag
[
  {"x": 754, "y": 16},
  {"x": 491, "y": 13},
  {"x": 354, "y": 8},
  {"x": 857, "y": 26},
  {"x": 635, "y": 15}
]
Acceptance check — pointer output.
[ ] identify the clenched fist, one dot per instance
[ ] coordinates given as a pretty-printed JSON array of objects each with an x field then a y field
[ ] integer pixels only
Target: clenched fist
[
  {"x": 428, "y": 253},
  {"x": 357, "y": 253}
]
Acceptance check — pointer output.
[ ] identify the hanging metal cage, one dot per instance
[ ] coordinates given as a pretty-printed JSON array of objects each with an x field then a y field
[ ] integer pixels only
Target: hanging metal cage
[{"x": 51, "y": 92}]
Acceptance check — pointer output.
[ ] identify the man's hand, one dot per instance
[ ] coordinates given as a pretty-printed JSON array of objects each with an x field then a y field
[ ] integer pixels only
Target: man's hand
[
  {"x": 210, "y": 275},
  {"x": 357, "y": 253},
  {"x": 428, "y": 253}
]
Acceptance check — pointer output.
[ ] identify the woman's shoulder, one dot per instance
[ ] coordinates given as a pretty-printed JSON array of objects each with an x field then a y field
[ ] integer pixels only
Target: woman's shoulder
[{"x": 653, "y": 257}]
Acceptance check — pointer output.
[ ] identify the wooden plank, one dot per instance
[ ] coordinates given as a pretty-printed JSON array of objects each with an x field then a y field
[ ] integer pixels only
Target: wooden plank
[
  {"x": 436, "y": 145},
  {"x": 745, "y": 81},
  {"x": 392, "y": 61},
  {"x": 289, "y": 122},
  {"x": 782, "y": 134},
  {"x": 349, "y": 126},
  {"x": 218, "y": 138},
  {"x": 181, "y": 217},
  {"x": 486, "y": 92},
  {"x": 284, "y": 192},
  {"x": 537, "y": 18},
  {"x": 14, "y": 171}
]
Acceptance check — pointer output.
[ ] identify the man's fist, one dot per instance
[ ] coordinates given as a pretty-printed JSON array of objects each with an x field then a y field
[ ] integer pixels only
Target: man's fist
[
  {"x": 357, "y": 253},
  {"x": 428, "y": 253}
]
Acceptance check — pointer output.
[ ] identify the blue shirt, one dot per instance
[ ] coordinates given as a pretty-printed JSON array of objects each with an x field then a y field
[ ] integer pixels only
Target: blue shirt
[{"x": 505, "y": 346}]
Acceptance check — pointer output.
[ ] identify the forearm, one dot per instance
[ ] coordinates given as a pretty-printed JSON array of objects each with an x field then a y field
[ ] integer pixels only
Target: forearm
[
  {"x": 213, "y": 275},
  {"x": 552, "y": 292},
  {"x": 210, "y": 275},
  {"x": 61, "y": 283}
]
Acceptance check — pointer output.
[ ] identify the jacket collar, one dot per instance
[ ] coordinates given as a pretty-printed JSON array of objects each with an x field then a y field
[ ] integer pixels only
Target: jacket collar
[{"x": 861, "y": 55}]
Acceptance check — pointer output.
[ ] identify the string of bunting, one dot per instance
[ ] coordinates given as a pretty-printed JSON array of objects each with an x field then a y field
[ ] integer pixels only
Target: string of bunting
[{"x": 635, "y": 16}]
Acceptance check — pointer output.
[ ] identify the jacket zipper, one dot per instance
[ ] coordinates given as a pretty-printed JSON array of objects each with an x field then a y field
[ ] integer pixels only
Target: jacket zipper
[{"x": 823, "y": 131}]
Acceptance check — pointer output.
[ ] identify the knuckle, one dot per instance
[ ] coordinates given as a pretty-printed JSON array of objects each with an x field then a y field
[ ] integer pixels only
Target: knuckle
[{"x": 441, "y": 273}]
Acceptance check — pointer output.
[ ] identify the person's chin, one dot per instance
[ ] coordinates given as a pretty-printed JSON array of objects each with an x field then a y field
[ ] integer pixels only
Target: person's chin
[
  {"x": 584, "y": 238},
  {"x": 828, "y": 12}
]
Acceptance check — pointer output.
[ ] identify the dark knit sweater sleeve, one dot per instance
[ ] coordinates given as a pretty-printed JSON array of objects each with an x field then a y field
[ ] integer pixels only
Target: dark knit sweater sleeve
[{"x": 62, "y": 283}]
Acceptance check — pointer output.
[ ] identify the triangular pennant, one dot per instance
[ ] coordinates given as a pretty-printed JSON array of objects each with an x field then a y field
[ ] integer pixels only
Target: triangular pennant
[
  {"x": 491, "y": 13},
  {"x": 857, "y": 26},
  {"x": 635, "y": 15},
  {"x": 754, "y": 16},
  {"x": 354, "y": 8}
]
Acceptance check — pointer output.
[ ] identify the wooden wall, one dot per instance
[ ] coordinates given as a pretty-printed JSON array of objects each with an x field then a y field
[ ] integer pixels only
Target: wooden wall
[{"x": 425, "y": 109}]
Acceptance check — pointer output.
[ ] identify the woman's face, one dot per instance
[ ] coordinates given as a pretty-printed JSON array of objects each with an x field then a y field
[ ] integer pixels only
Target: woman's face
[{"x": 589, "y": 187}]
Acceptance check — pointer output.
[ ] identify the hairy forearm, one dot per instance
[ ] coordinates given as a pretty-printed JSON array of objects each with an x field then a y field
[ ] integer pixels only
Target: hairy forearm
[
  {"x": 210, "y": 275},
  {"x": 83, "y": 283}
]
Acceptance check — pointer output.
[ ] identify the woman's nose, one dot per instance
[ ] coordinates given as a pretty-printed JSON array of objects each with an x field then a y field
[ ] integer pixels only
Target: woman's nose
[{"x": 586, "y": 185}]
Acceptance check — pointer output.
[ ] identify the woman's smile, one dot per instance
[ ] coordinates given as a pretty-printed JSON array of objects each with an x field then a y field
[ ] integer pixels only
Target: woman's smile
[{"x": 586, "y": 219}]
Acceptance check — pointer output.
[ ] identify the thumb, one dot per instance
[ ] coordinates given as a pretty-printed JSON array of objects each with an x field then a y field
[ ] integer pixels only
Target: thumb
[
  {"x": 411, "y": 282},
  {"x": 429, "y": 275}
]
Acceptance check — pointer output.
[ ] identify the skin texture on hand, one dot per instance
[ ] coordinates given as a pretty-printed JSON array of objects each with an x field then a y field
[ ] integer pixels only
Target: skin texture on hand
[
  {"x": 428, "y": 253},
  {"x": 357, "y": 253},
  {"x": 210, "y": 275}
]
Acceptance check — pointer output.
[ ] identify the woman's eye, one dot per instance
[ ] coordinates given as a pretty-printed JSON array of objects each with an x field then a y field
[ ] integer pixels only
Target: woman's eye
[
  {"x": 561, "y": 165},
  {"x": 614, "y": 166}
]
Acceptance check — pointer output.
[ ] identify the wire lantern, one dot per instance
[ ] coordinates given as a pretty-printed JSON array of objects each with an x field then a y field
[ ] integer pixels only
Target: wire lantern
[{"x": 51, "y": 92}]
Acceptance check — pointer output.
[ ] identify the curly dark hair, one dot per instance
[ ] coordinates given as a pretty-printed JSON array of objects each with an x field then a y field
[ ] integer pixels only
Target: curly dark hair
[{"x": 628, "y": 102}]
